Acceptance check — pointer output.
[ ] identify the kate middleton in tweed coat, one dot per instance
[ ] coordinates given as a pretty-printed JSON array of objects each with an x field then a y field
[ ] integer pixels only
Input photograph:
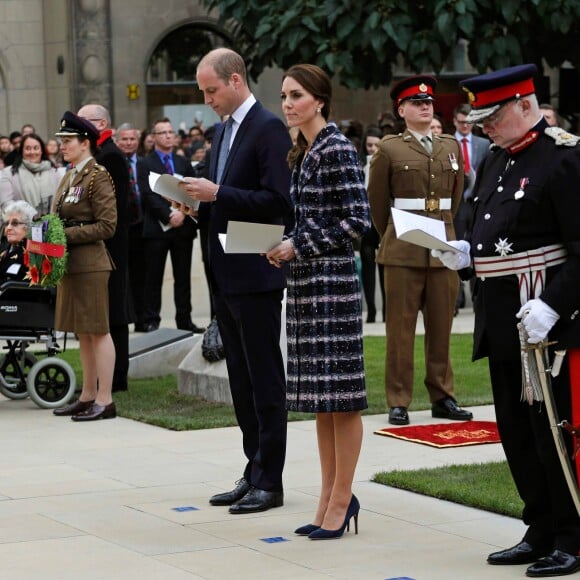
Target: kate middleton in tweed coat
[{"x": 323, "y": 312}]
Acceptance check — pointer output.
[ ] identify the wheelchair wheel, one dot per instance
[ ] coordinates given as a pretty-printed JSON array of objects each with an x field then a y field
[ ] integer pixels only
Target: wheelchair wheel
[
  {"x": 51, "y": 383},
  {"x": 16, "y": 366}
]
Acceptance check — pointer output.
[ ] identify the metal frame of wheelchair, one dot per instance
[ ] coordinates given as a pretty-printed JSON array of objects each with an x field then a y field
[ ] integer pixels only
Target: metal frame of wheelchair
[{"x": 26, "y": 317}]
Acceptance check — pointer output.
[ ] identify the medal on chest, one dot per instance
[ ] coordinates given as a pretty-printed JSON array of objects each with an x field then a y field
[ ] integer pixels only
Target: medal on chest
[
  {"x": 74, "y": 194},
  {"x": 520, "y": 192},
  {"x": 453, "y": 161}
]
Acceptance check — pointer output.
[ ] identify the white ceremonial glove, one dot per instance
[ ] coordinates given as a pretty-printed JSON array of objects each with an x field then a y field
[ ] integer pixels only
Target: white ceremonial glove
[
  {"x": 453, "y": 260},
  {"x": 538, "y": 319}
]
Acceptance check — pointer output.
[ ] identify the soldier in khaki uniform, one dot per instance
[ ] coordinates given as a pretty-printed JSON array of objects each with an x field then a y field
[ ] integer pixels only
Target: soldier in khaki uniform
[{"x": 427, "y": 179}]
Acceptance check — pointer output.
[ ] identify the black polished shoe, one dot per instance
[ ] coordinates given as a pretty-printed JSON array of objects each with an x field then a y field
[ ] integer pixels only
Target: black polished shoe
[
  {"x": 447, "y": 408},
  {"x": 522, "y": 553},
  {"x": 140, "y": 327},
  {"x": 191, "y": 327},
  {"x": 398, "y": 416},
  {"x": 230, "y": 497},
  {"x": 557, "y": 563},
  {"x": 96, "y": 412},
  {"x": 74, "y": 408},
  {"x": 151, "y": 327},
  {"x": 257, "y": 500}
]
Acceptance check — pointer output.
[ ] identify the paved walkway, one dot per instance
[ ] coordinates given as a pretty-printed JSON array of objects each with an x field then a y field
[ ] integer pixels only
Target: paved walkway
[{"x": 123, "y": 500}]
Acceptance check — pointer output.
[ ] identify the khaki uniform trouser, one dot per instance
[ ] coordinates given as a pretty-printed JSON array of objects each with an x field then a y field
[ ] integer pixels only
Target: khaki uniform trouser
[{"x": 410, "y": 290}]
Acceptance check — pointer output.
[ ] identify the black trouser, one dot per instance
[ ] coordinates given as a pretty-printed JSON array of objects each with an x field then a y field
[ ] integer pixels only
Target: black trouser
[
  {"x": 250, "y": 329},
  {"x": 180, "y": 249},
  {"x": 532, "y": 457}
]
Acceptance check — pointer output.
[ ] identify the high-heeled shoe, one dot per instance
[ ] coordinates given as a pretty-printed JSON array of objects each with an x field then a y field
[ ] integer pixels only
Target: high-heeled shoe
[
  {"x": 306, "y": 530},
  {"x": 351, "y": 512}
]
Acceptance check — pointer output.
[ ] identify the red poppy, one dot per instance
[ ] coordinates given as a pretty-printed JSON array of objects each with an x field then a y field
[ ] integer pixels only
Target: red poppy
[
  {"x": 34, "y": 275},
  {"x": 46, "y": 266}
]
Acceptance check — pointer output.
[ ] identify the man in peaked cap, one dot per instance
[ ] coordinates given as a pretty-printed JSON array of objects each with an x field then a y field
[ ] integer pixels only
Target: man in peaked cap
[
  {"x": 421, "y": 173},
  {"x": 524, "y": 248}
]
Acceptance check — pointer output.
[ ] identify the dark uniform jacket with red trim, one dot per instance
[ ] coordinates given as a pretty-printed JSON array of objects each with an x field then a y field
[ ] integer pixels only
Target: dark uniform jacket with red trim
[{"x": 507, "y": 221}]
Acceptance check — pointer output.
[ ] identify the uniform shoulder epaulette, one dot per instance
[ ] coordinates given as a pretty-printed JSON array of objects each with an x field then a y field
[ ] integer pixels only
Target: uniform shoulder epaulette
[
  {"x": 445, "y": 136},
  {"x": 100, "y": 167},
  {"x": 562, "y": 137},
  {"x": 391, "y": 137}
]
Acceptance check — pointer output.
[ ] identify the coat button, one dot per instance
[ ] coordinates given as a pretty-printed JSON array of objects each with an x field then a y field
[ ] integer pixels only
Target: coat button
[
  {"x": 500, "y": 188},
  {"x": 479, "y": 246},
  {"x": 574, "y": 315},
  {"x": 487, "y": 216}
]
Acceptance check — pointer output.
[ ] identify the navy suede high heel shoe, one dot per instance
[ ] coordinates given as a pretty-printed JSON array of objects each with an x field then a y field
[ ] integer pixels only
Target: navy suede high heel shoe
[
  {"x": 351, "y": 512},
  {"x": 306, "y": 530}
]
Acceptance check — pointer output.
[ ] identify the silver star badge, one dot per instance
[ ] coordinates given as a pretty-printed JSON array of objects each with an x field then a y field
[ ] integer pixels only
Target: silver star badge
[{"x": 503, "y": 247}]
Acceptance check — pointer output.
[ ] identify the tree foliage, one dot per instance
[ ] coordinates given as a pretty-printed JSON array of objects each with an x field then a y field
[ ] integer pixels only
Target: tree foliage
[{"x": 363, "y": 40}]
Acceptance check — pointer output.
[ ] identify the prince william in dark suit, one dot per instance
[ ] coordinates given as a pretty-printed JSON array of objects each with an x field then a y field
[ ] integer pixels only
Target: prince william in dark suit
[{"x": 249, "y": 181}]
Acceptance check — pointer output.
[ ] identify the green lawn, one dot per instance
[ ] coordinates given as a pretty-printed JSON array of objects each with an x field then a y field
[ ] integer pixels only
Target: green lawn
[
  {"x": 157, "y": 401},
  {"x": 486, "y": 486}
]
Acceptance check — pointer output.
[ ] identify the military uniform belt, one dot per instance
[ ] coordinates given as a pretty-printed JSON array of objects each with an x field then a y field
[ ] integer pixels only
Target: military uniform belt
[
  {"x": 530, "y": 267},
  {"x": 530, "y": 261},
  {"x": 422, "y": 203}
]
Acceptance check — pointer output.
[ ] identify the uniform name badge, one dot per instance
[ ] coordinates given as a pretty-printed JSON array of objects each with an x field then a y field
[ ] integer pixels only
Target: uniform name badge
[
  {"x": 453, "y": 161},
  {"x": 520, "y": 192}
]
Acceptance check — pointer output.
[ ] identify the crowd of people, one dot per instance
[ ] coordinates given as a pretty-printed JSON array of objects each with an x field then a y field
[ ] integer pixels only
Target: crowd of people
[{"x": 507, "y": 202}]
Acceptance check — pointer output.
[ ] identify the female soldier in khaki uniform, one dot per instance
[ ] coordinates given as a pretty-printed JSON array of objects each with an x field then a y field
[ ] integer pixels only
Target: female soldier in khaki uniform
[{"x": 85, "y": 201}]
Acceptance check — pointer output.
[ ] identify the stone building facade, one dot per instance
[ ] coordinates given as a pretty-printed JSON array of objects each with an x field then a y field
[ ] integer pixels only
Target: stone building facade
[
  {"x": 60, "y": 54},
  {"x": 126, "y": 54}
]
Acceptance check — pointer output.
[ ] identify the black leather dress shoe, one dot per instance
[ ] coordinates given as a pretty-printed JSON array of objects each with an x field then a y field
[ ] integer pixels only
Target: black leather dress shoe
[
  {"x": 191, "y": 327},
  {"x": 74, "y": 408},
  {"x": 522, "y": 553},
  {"x": 557, "y": 563},
  {"x": 398, "y": 416},
  {"x": 151, "y": 327},
  {"x": 140, "y": 327},
  {"x": 230, "y": 497},
  {"x": 96, "y": 412},
  {"x": 257, "y": 500},
  {"x": 447, "y": 408}
]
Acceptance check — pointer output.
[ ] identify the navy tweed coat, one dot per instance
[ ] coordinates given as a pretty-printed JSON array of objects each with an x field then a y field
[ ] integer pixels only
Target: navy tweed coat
[{"x": 323, "y": 313}]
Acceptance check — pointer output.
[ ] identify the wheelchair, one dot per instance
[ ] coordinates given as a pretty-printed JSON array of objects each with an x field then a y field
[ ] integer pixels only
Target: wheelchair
[{"x": 27, "y": 317}]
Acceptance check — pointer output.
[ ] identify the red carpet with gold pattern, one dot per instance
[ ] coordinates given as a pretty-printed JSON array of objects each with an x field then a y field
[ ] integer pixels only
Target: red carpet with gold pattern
[{"x": 456, "y": 434}]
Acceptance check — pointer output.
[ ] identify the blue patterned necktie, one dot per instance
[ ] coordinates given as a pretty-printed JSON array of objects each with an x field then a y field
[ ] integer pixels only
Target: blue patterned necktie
[
  {"x": 224, "y": 149},
  {"x": 167, "y": 164}
]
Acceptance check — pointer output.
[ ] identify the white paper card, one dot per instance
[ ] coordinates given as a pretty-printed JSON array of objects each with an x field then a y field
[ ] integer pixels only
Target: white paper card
[
  {"x": 421, "y": 231},
  {"x": 250, "y": 238},
  {"x": 36, "y": 233},
  {"x": 167, "y": 186},
  {"x": 13, "y": 269}
]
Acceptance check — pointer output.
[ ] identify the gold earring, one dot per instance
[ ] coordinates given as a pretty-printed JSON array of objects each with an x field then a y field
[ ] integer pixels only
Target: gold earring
[{"x": 318, "y": 110}]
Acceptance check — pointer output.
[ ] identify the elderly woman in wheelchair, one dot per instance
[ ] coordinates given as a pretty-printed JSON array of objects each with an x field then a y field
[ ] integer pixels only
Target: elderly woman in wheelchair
[
  {"x": 17, "y": 219},
  {"x": 27, "y": 317}
]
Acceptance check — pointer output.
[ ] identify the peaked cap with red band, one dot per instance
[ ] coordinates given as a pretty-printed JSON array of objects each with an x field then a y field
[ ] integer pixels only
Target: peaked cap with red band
[
  {"x": 488, "y": 92},
  {"x": 415, "y": 88}
]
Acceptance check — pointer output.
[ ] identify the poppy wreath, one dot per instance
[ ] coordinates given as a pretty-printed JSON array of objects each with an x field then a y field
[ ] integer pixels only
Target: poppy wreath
[{"x": 46, "y": 260}]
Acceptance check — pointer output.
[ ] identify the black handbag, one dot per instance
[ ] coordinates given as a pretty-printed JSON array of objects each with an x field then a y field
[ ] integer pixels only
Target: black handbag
[{"x": 212, "y": 348}]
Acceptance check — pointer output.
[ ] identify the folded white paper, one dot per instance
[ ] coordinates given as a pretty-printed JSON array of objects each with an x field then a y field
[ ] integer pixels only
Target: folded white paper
[
  {"x": 250, "y": 238},
  {"x": 421, "y": 231},
  {"x": 167, "y": 186}
]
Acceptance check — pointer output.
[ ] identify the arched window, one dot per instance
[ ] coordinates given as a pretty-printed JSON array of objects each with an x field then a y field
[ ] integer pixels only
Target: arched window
[{"x": 171, "y": 85}]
